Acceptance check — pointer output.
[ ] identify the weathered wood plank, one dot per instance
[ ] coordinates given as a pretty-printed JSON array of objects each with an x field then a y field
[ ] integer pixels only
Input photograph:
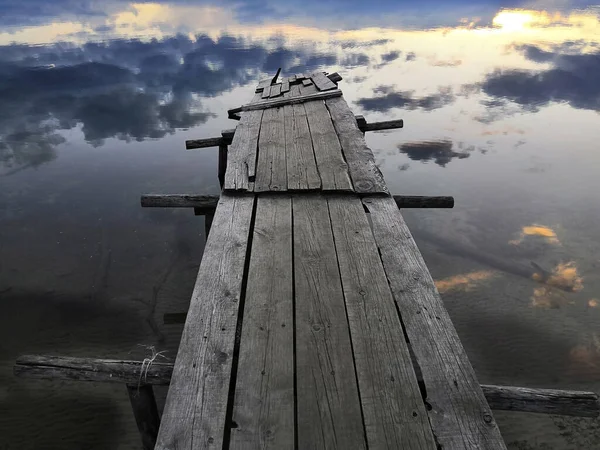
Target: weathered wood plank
[
  {"x": 179, "y": 201},
  {"x": 393, "y": 409},
  {"x": 275, "y": 90},
  {"x": 328, "y": 405},
  {"x": 301, "y": 165},
  {"x": 335, "y": 77},
  {"x": 415, "y": 201},
  {"x": 222, "y": 164},
  {"x": 306, "y": 90},
  {"x": 285, "y": 86},
  {"x": 263, "y": 84},
  {"x": 366, "y": 176},
  {"x": 306, "y": 82},
  {"x": 286, "y": 101},
  {"x": 385, "y": 125},
  {"x": 322, "y": 82},
  {"x": 145, "y": 412},
  {"x": 509, "y": 398},
  {"x": 195, "y": 409},
  {"x": 460, "y": 416},
  {"x": 264, "y": 396},
  {"x": 266, "y": 92},
  {"x": 203, "y": 143},
  {"x": 271, "y": 172},
  {"x": 332, "y": 168},
  {"x": 241, "y": 156}
]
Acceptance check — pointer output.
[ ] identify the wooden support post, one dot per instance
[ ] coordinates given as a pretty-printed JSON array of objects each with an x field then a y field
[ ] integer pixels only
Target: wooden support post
[
  {"x": 386, "y": 125},
  {"x": 208, "y": 220},
  {"x": 202, "y": 202},
  {"x": 145, "y": 412},
  {"x": 222, "y": 164},
  {"x": 415, "y": 201},
  {"x": 505, "y": 398}
]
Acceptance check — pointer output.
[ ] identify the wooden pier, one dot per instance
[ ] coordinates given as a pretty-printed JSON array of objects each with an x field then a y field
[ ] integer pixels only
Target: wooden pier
[{"x": 314, "y": 322}]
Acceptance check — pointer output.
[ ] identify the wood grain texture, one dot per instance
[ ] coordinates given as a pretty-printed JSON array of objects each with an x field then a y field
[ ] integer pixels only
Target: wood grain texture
[
  {"x": 241, "y": 156},
  {"x": 179, "y": 201},
  {"x": 272, "y": 103},
  {"x": 263, "y": 84},
  {"x": 145, "y": 412},
  {"x": 328, "y": 405},
  {"x": 386, "y": 125},
  {"x": 264, "y": 395},
  {"x": 271, "y": 171},
  {"x": 275, "y": 90},
  {"x": 331, "y": 165},
  {"x": 459, "y": 414},
  {"x": 393, "y": 409},
  {"x": 301, "y": 165},
  {"x": 415, "y": 201},
  {"x": 306, "y": 82},
  {"x": 204, "y": 143},
  {"x": 266, "y": 93},
  {"x": 322, "y": 82},
  {"x": 308, "y": 89},
  {"x": 195, "y": 409},
  {"x": 366, "y": 176},
  {"x": 285, "y": 86}
]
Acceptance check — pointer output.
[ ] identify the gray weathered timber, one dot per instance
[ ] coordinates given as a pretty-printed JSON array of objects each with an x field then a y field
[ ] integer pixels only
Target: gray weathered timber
[
  {"x": 509, "y": 398},
  {"x": 263, "y": 84},
  {"x": 179, "y": 201},
  {"x": 415, "y": 201},
  {"x": 335, "y": 77},
  {"x": 361, "y": 122},
  {"x": 331, "y": 166},
  {"x": 241, "y": 156},
  {"x": 306, "y": 82},
  {"x": 285, "y": 86},
  {"x": 275, "y": 90},
  {"x": 393, "y": 409},
  {"x": 145, "y": 412},
  {"x": 328, "y": 405},
  {"x": 266, "y": 92},
  {"x": 291, "y": 79},
  {"x": 366, "y": 176},
  {"x": 307, "y": 90},
  {"x": 195, "y": 409},
  {"x": 386, "y": 125},
  {"x": 203, "y": 143},
  {"x": 287, "y": 101},
  {"x": 264, "y": 395},
  {"x": 228, "y": 135},
  {"x": 322, "y": 82},
  {"x": 301, "y": 165},
  {"x": 222, "y": 164},
  {"x": 271, "y": 173},
  {"x": 459, "y": 414}
]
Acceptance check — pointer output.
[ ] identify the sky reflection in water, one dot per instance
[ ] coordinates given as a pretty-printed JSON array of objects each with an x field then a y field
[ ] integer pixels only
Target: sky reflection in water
[{"x": 501, "y": 104}]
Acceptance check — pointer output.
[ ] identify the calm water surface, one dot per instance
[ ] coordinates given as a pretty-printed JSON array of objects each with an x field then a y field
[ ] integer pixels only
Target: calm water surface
[{"x": 501, "y": 105}]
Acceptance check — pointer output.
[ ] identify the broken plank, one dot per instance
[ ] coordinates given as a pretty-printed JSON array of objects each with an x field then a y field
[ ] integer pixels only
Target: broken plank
[
  {"x": 306, "y": 82},
  {"x": 266, "y": 92},
  {"x": 196, "y": 405},
  {"x": 275, "y": 90},
  {"x": 322, "y": 82},
  {"x": 328, "y": 405},
  {"x": 301, "y": 165},
  {"x": 241, "y": 156},
  {"x": 331, "y": 166},
  {"x": 366, "y": 176},
  {"x": 285, "y": 86},
  {"x": 393, "y": 409},
  {"x": 145, "y": 412},
  {"x": 460, "y": 416},
  {"x": 286, "y": 101},
  {"x": 271, "y": 167},
  {"x": 265, "y": 374}
]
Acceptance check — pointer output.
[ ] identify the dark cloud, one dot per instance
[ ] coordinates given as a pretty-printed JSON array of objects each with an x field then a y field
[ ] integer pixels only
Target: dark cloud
[
  {"x": 410, "y": 56},
  {"x": 405, "y": 99},
  {"x": 572, "y": 79},
  {"x": 391, "y": 56},
  {"x": 358, "y": 44},
  {"x": 355, "y": 60},
  {"x": 439, "y": 151}
]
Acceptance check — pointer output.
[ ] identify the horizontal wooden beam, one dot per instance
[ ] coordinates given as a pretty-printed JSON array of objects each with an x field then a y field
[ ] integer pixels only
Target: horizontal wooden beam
[
  {"x": 286, "y": 101},
  {"x": 386, "y": 125},
  {"x": 225, "y": 139},
  {"x": 415, "y": 201},
  {"x": 335, "y": 77},
  {"x": 507, "y": 398}
]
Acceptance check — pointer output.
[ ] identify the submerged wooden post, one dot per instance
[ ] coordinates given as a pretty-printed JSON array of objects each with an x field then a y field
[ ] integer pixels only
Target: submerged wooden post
[{"x": 145, "y": 411}]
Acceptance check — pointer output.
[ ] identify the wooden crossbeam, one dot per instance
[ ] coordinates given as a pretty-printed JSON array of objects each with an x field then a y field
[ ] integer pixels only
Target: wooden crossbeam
[
  {"x": 506, "y": 398},
  {"x": 286, "y": 101}
]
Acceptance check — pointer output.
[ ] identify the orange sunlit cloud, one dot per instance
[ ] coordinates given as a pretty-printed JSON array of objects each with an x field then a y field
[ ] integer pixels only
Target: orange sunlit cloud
[
  {"x": 536, "y": 230},
  {"x": 564, "y": 276},
  {"x": 593, "y": 303},
  {"x": 464, "y": 282},
  {"x": 585, "y": 357}
]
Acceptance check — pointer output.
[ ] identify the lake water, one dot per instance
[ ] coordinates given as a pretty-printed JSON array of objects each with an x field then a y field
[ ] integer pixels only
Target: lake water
[{"x": 501, "y": 105}]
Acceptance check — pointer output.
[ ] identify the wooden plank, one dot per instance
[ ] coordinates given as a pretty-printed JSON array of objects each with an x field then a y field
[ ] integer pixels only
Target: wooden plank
[
  {"x": 416, "y": 201},
  {"x": 322, "y": 82},
  {"x": 266, "y": 92},
  {"x": 145, "y": 412},
  {"x": 263, "y": 84},
  {"x": 291, "y": 79},
  {"x": 286, "y": 101},
  {"x": 366, "y": 176},
  {"x": 335, "y": 77},
  {"x": 386, "y": 125},
  {"x": 393, "y": 409},
  {"x": 285, "y": 86},
  {"x": 301, "y": 165},
  {"x": 271, "y": 170},
  {"x": 459, "y": 414},
  {"x": 203, "y": 143},
  {"x": 241, "y": 156},
  {"x": 264, "y": 396},
  {"x": 332, "y": 168},
  {"x": 306, "y": 82},
  {"x": 509, "y": 398},
  {"x": 208, "y": 202},
  {"x": 195, "y": 409},
  {"x": 328, "y": 405},
  {"x": 275, "y": 90}
]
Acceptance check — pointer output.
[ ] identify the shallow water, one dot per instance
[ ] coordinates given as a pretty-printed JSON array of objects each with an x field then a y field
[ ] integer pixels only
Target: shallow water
[{"x": 501, "y": 108}]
